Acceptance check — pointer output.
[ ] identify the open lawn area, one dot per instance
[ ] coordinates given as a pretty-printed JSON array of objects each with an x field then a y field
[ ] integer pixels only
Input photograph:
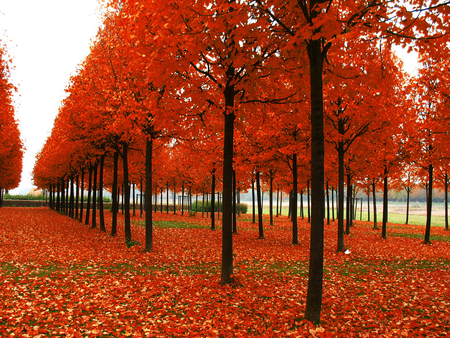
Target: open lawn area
[{"x": 61, "y": 278}]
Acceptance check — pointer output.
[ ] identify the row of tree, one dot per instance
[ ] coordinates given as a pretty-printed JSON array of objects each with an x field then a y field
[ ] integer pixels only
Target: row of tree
[
  {"x": 11, "y": 147},
  {"x": 206, "y": 96}
]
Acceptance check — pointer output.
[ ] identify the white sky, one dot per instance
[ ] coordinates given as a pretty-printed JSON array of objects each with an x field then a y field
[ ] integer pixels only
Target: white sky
[{"x": 46, "y": 39}]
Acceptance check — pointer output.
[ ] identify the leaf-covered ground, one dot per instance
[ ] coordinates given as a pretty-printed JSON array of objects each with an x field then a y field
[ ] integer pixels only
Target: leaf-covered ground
[{"x": 61, "y": 278}]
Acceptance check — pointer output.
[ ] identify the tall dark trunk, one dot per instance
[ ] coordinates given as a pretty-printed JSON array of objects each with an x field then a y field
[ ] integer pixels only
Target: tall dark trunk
[
  {"x": 126, "y": 193},
  {"x": 278, "y": 199},
  {"x": 332, "y": 204},
  {"x": 429, "y": 204},
  {"x": 271, "y": 198},
  {"x": 328, "y": 204},
  {"x": 63, "y": 196},
  {"x": 227, "y": 235},
  {"x": 50, "y": 196},
  {"x": 58, "y": 198},
  {"x": 385, "y": 204},
  {"x": 82, "y": 196},
  {"x": 234, "y": 203},
  {"x": 94, "y": 198},
  {"x": 368, "y": 204},
  {"x": 294, "y": 200},
  {"x": 115, "y": 197},
  {"x": 182, "y": 199},
  {"x": 167, "y": 199},
  {"x": 77, "y": 196},
  {"x": 407, "y": 205},
  {"x": 213, "y": 197},
  {"x": 253, "y": 202},
  {"x": 302, "y": 211},
  {"x": 88, "y": 207},
  {"x": 260, "y": 211},
  {"x": 315, "y": 276},
  {"x": 446, "y": 200},
  {"x": 308, "y": 192},
  {"x": 281, "y": 203},
  {"x": 374, "y": 198},
  {"x": 134, "y": 199},
  {"x": 100, "y": 194},
  {"x": 148, "y": 195},
  {"x": 72, "y": 199},
  {"x": 174, "y": 200},
  {"x": 340, "y": 213},
  {"x": 349, "y": 205}
]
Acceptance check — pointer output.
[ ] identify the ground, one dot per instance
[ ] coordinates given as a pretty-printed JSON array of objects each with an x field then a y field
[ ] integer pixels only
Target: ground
[{"x": 59, "y": 277}]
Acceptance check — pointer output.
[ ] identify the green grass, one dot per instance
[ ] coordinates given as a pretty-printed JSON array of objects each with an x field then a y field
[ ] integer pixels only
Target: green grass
[
  {"x": 438, "y": 238},
  {"x": 172, "y": 224}
]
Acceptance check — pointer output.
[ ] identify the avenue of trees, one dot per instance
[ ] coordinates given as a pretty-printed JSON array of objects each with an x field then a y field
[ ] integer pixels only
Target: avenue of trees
[
  {"x": 11, "y": 147},
  {"x": 202, "y": 96}
]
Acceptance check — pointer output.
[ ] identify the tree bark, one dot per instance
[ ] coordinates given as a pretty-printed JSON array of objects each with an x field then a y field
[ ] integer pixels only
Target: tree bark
[
  {"x": 213, "y": 197},
  {"x": 234, "y": 203},
  {"x": 385, "y": 204},
  {"x": 374, "y": 197},
  {"x": 88, "y": 206},
  {"x": 148, "y": 194},
  {"x": 349, "y": 217},
  {"x": 227, "y": 236},
  {"x": 82, "y": 196},
  {"x": 94, "y": 198},
  {"x": 446, "y": 200},
  {"x": 429, "y": 204},
  {"x": 115, "y": 199},
  {"x": 315, "y": 276},
  {"x": 126, "y": 192},
  {"x": 100, "y": 194},
  {"x": 260, "y": 211},
  {"x": 294, "y": 200}
]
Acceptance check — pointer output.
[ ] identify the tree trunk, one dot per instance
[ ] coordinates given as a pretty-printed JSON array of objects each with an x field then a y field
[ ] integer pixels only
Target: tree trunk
[
  {"x": 148, "y": 194},
  {"x": 315, "y": 276},
  {"x": 72, "y": 199},
  {"x": 126, "y": 193},
  {"x": 234, "y": 203},
  {"x": 340, "y": 247},
  {"x": 385, "y": 204},
  {"x": 213, "y": 197},
  {"x": 253, "y": 202},
  {"x": 294, "y": 200},
  {"x": 77, "y": 196},
  {"x": 407, "y": 204},
  {"x": 349, "y": 217},
  {"x": 88, "y": 207},
  {"x": 100, "y": 194},
  {"x": 368, "y": 204},
  {"x": 94, "y": 199},
  {"x": 258, "y": 196},
  {"x": 134, "y": 198},
  {"x": 374, "y": 197},
  {"x": 115, "y": 199},
  {"x": 429, "y": 204},
  {"x": 227, "y": 236},
  {"x": 308, "y": 193},
  {"x": 271, "y": 198},
  {"x": 63, "y": 196},
  {"x": 446, "y": 200},
  {"x": 328, "y": 204},
  {"x": 82, "y": 196}
]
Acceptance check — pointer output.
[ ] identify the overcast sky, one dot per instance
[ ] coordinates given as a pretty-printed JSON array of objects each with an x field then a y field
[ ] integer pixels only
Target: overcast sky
[{"x": 46, "y": 39}]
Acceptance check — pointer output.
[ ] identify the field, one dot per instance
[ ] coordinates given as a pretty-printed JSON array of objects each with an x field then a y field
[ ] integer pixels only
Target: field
[{"x": 59, "y": 277}]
